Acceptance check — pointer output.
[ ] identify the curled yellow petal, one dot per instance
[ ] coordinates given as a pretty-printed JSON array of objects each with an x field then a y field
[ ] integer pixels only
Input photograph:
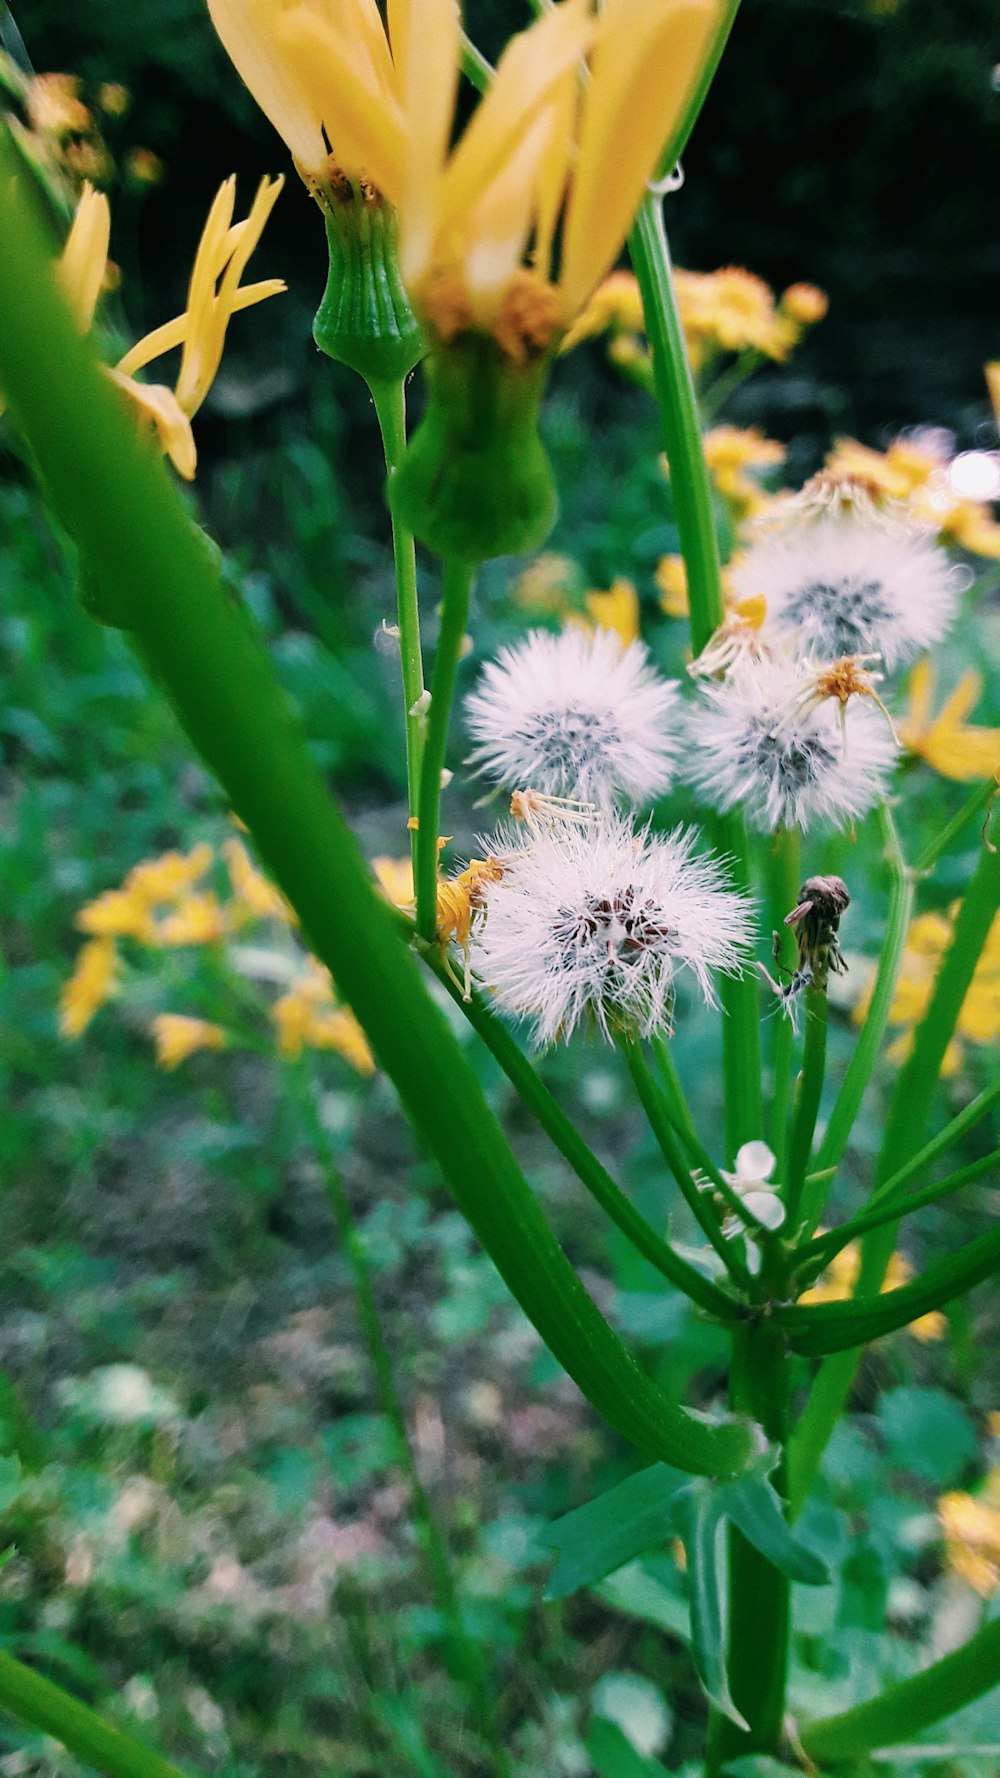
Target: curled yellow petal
[
  {"x": 248, "y": 29},
  {"x": 360, "y": 114},
  {"x": 84, "y": 259},
  {"x": 158, "y": 407}
]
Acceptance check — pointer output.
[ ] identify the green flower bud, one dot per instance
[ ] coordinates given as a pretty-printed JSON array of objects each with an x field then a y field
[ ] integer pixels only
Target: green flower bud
[
  {"x": 476, "y": 481},
  {"x": 365, "y": 320}
]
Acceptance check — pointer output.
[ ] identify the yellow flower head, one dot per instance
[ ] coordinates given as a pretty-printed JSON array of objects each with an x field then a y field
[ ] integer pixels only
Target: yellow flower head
[
  {"x": 307, "y": 1017},
  {"x": 479, "y": 221},
  {"x": 177, "y": 1037},
  {"x": 912, "y": 472},
  {"x": 164, "y": 879},
  {"x": 545, "y": 584},
  {"x": 617, "y": 609},
  {"x": 950, "y": 745},
  {"x": 214, "y": 296},
  {"x": 255, "y": 897},
  {"x": 90, "y": 985},
  {"x": 733, "y": 455},
  {"x": 971, "y": 1526},
  {"x": 804, "y": 304},
  {"x": 198, "y": 919},
  {"x": 927, "y": 940},
  {"x": 732, "y": 310}
]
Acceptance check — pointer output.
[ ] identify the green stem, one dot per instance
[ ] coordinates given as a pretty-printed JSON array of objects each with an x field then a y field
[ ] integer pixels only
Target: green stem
[
  {"x": 585, "y": 1164},
  {"x": 977, "y": 803},
  {"x": 913, "y": 1704},
  {"x": 673, "y": 1092},
  {"x": 939, "y": 1144},
  {"x": 728, "y": 381},
  {"x": 692, "y": 497},
  {"x": 477, "y": 70},
  {"x": 817, "y": 1254},
  {"x": 807, "y": 1101},
  {"x": 154, "y": 571},
  {"x": 655, "y": 1108},
  {"x": 759, "y": 1594},
  {"x": 464, "y": 1656},
  {"x": 784, "y": 877},
  {"x": 907, "y": 1121},
  {"x": 848, "y": 1102},
  {"x": 455, "y": 599},
  {"x": 97, "y": 1743},
  {"x": 389, "y": 400}
]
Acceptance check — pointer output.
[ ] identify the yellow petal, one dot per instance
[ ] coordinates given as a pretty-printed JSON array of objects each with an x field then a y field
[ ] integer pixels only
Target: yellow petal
[
  {"x": 962, "y": 701},
  {"x": 428, "y": 97},
  {"x": 920, "y": 689},
  {"x": 399, "y": 16},
  {"x": 84, "y": 259},
  {"x": 166, "y": 338},
  {"x": 361, "y": 116},
  {"x": 209, "y": 309},
  {"x": 159, "y": 407},
  {"x": 248, "y": 29},
  {"x": 533, "y": 64},
  {"x": 498, "y": 226},
  {"x": 647, "y": 60},
  {"x": 992, "y": 374}
]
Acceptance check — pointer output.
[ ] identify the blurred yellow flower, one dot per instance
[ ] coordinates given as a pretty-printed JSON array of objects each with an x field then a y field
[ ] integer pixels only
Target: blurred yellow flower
[
  {"x": 615, "y": 308},
  {"x": 90, "y": 985},
  {"x": 804, "y": 304},
  {"x": 198, "y": 919},
  {"x": 971, "y": 1526},
  {"x": 731, "y": 452},
  {"x": 927, "y": 939},
  {"x": 177, "y": 1037},
  {"x": 214, "y": 296},
  {"x": 617, "y": 609},
  {"x": 255, "y": 897},
  {"x": 169, "y": 876},
  {"x": 917, "y": 475},
  {"x": 395, "y": 879},
  {"x": 545, "y": 584},
  {"x": 118, "y": 913},
  {"x": 840, "y": 1277},
  {"x": 948, "y": 743},
  {"x": 670, "y": 576},
  {"x": 732, "y": 310},
  {"x": 308, "y": 1017}
]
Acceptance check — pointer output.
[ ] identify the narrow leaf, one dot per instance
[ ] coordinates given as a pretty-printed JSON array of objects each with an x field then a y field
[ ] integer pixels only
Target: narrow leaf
[
  {"x": 914, "y": 1704},
  {"x": 612, "y": 1755},
  {"x": 753, "y": 1506},
  {"x": 619, "y": 1525},
  {"x": 704, "y": 1543}
]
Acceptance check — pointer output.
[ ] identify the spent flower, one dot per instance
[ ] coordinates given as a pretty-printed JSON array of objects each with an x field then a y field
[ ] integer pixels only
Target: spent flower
[
  {"x": 575, "y": 715},
  {"x": 592, "y": 925}
]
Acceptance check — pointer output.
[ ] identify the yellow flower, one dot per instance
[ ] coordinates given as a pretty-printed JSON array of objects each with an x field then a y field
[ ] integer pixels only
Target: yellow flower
[
  {"x": 615, "y": 308},
  {"x": 545, "y": 584},
  {"x": 307, "y": 1017},
  {"x": 617, "y": 609},
  {"x": 198, "y": 919},
  {"x": 917, "y": 475},
  {"x": 671, "y": 578},
  {"x": 732, "y": 451},
  {"x": 927, "y": 940},
  {"x": 177, "y": 1037},
  {"x": 459, "y": 899},
  {"x": 118, "y": 913},
  {"x": 971, "y": 1526},
  {"x": 536, "y": 144},
  {"x": 395, "y": 879},
  {"x": 164, "y": 879},
  {"x": 90, "y": 985},
  {"x": 841, "y": 1275},
  {"x": 214, "y": 296},
  {"x": 255, "y": 897},
  {"x": 804, "y": 304},
  {"x": 992, "y": 373},
  {"x": 948, "y": 743},
  {"x": 732, "y": 310}
]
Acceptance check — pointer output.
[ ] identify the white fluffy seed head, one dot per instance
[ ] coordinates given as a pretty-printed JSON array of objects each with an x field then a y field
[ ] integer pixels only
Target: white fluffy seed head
[
  {"x": 592, "y": 927},
  {"x": 852, "y": 581},
  {"x": 575, "y": 715},
  {"x": 757, "y": 748}
]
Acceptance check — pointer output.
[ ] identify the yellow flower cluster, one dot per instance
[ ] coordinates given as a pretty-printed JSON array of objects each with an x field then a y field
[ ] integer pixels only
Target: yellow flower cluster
[
  {"x": 215, "y": 294},
  {"x": 459, "y": 899},
  {"x": 733, "y": 454},
  {"x": 551, "y": 585},
  {"x": 730, "y": 310},
  {"x": 971, "y": 1526},
  {"x": 840, "y": 1277},
  {"x": 163, "y": 903},
  {"x": 927, "y": 940},
  {"x": 914, "y": 473},
  {"x": 950, "y": 745}
]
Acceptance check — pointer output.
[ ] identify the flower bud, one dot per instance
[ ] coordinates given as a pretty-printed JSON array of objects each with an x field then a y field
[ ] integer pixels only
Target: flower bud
[
  {"x": 365, "y": 320},
  {"x": 476, "y": 481}
]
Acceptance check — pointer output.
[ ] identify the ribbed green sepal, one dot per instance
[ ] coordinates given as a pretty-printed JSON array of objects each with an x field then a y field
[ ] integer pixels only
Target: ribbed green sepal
[{"x": 365, "y": 320}]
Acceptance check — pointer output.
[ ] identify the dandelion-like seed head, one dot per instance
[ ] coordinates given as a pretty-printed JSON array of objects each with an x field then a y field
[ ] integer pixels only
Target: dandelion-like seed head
[
  {"x": 763, "y": 743},
  {"x": 576, "y": 715},
  {"x": 592, "y": 926},
  {"x": 842, "y": 577}
]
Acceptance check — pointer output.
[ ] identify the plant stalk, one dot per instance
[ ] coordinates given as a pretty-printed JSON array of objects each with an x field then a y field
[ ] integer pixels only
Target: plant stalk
[
  {"x": 784, "y": 876},
  {"x": 455, "y": 600},
  {"x": 807, "y": 1101},
  {"x": 389, "y": 400},
  {"x": 98, "y": 1743}
]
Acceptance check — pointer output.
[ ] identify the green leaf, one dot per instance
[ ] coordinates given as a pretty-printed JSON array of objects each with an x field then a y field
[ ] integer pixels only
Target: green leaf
[
  {"x": 928, "y": 1433},
  {"x": 613, "y": 1756},
  {"x": 637, "y": 1707},
  {"x": 637, "y": 1592},
  {"x": 913, "y": 1705},
  {"x": 619, "y": 1525},
  {"x": 817, "y": 1328},
  {"x": 704, "y": 1542},
  {"x": 753, "y": 1506}
]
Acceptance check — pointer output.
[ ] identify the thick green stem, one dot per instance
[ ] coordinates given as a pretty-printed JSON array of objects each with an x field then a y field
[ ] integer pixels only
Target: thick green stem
[
  {"x": 914, "y": 1704},
  {"x": 97, "y": 1743},
  {"x": 592, "y": 1175},
  {"x": 390, "y": 407},
  {"x": 654, "y": 1106},
  {"x": 907, "y": 1122},
  {"x": 784, "y": 876},
  {"x": 692, "y": 497},
  {"x": 848, "y": 1102},
  {"x": 463, "y": 1654},
  {"x": 455, "y": 599},
  {"x": 807, "y": 1101},
  {"x": 115, "y": 500},
  {"x": 757, "y": 1663}
]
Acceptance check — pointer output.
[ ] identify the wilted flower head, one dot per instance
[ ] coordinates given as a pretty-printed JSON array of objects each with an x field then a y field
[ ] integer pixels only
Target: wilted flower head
[
  {"x": 841, "y": 577},
  {"x": 592, "y": 925},
  {"x": 786, "y": 763},
  {"x": 575, "y": 715}
]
